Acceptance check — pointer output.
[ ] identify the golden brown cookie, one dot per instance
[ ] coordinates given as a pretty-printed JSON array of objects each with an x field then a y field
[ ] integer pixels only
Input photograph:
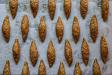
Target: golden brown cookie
[
  {"x": 33, "y": 53},
  {"x": 104, "y": 49},
  {"x": 42, "y": 29},
  {"x": 83, "y": 8},
  {"x": 16, "y": 51},
  {"x": 42, "y": 68},
  {"x": 94, "y": 28},
  {"x": 6, "y": 70},
  {"x": 6, "y": 29},
  {"x": 13, "y": 4},
  {"x": 25, "y": 27},
  {"x": 68, "y": 53},
  {"x": 96, "y": 68},
  {"x": 61, "y": 70},
  {"x": 77, "y": 70},
  {"x": 67, "y": 8},
  {"x": 51, "y": 55},
  {"x": 59, "y": 29},
  {"x": 51, "y": 8},
  {"x": 105, "y": 9},
  {"x": 34, "y": 4},
  {"x": 25, "y": 70},
  {"x": 76, "y": 29},
  {"x": 85, "y": 52}
]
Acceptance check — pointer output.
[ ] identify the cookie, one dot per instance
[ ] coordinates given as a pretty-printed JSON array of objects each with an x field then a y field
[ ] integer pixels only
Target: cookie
[
  {"x": 25, "y": 27},
  {"x": 25, "y": 70},
  {"x": 33, "y": 53},
  {"x": 85, "y": 52},
  {"x": 96, "y": 68},
  {"x": 84, "y": 8},
  {"x": 34, "y": 4},
  {"x": 68, "y": 53},
  {"x": 105, "y": 9},
  {"x": 94, "y": 28},
  {"x": 6, "y": 29},
  {"x": 16, "y": 51},
  {"x": 61, "y": 70},
  {"x": 59, "y": 30},
  {"x": 104, "y": 49},
  {"x": 42, "y": 29},
  {"x": 6, "y": 70},
  {"x": 76, "y": 29},
  {"x": 51, "y": 8},
  {"x": 67, "y": 8},
  {"x": 13, "y": 4},
  {"x": 51, "y": 55},
  {"x": 42, "y": 68}
]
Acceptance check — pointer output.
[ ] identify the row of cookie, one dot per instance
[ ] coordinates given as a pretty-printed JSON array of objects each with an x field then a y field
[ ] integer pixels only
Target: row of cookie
[
  {"x": 34, "y": 4},
  {"x": 68, "y": 53},
  {"x": 43, "y": 71},
  {"x": 42, "y": 29}
]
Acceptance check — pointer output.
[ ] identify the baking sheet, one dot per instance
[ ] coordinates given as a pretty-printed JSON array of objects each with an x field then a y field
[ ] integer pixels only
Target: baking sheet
[{"x": 105, "y": 28}]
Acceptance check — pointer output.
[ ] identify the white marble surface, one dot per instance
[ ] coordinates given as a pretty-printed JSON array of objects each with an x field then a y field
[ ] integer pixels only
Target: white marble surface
[{"x": 24, "y": 8}]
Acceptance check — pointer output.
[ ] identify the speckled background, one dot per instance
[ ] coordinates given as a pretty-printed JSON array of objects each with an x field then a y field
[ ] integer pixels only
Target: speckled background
[{"x": 24, "y": 8}]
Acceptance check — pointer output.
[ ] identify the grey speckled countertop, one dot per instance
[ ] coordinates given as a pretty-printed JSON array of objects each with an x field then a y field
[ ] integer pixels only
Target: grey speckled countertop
[{"x": 24, "y": 8}]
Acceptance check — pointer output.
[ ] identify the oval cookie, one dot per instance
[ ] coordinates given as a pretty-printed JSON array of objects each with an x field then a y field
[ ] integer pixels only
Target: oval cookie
[
  {"x": 34, "y": 7},
  {"x": 25, "y": 70},
  {"x": 33, "y": 53},
  {"x": 16, "y": 51},
  {"x": 51, "y": 54},
  {"x": 59, "y": 29},
  {"x": 13, "y": 4},
  {"x": 42, "y": 29},
  {"x": 76, "y": 29},
  {"x": 67, "y": 8},
  {"x": 96, "y": 68},
  {"x": 6, "y": 29},
  {"x": 25, "y": 27},
  {"x": 94, "y": 28},
  {"x": 83, "y": 8},
  {"x": 85, "y": 52},
  {"x": 68, "y": 53},
  {"x": 51, "y": 8},
  {"x": 61, "y": 70},
  {"x": 42, "y": 68},
  {"x": 6, "y": 70},
  {"x": 105, "y": 9},
  {"x": 104, "y": 49},
  {"x": 77, "y": 70}
]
